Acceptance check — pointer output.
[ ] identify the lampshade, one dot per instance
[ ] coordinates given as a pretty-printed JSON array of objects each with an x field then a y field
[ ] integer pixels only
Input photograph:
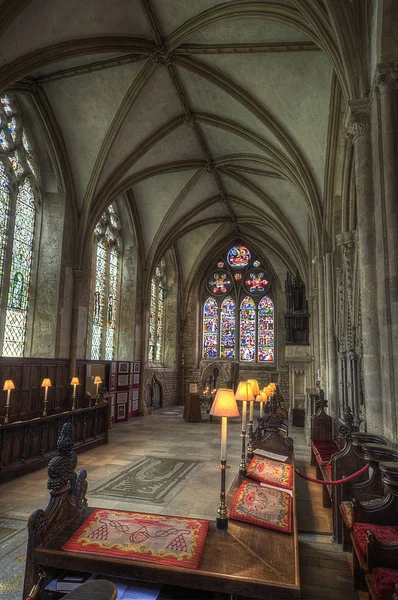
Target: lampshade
[
  {"x": 46, "y": 382},
  {"x": 264, "y": 396},
  {"x": 272, "y": 386},
  {"x": 255, "y": 386},
  {"x": 74, "y": 381},
  {"x": 9, "y": 385},
  {"x": 244, "y": 392},
  {"x": 97, "y": 379},
  {"x": 224, "y": 404}
]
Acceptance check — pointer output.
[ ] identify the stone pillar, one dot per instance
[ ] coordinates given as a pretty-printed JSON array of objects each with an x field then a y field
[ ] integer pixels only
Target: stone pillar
[
  {"x": 127, "y": 305},
  {"x": 79, "y": 320},
  {"x": 321, "y": 319},
  {"x": 359, "y": 128},
  {"x": 387, "y": 85},
  {"x": 331, "y": 338}
]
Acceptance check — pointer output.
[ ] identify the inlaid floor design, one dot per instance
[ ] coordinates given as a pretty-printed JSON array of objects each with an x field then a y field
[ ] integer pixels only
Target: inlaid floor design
[
  {"x": 154, "y": 479},
  {"x": 325, "y": 569}
]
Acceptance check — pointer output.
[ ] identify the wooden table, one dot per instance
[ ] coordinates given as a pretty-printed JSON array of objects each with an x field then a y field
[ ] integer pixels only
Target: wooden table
[{"x": 245, "y": 560}]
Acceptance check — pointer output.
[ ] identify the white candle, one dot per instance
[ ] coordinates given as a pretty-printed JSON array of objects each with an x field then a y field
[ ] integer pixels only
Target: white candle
[
  {"x": 244, "y": 415},
  {"x": 223, "y": 438},
  {"x": 251, "y": 412}
]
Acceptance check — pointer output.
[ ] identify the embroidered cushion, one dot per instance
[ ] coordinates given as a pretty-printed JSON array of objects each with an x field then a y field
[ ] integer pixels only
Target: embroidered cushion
[
  {"x": 264, "y": 506},
  {"x": 324, "y": 449},
  {"x": 271, "y": 471},
  {"x": 384, "y": 533},
  {"x": 384, "y": 581},
  {"x": 176, "y": 541}
]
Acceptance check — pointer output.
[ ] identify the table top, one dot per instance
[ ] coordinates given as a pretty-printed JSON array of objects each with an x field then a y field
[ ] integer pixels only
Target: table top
[{"x": 244, "y": 559}]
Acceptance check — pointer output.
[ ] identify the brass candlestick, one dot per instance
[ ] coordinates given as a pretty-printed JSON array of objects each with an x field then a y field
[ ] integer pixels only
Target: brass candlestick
[
  {"x": 8, "y": 386},
  {"x": 222, "y": 512}
]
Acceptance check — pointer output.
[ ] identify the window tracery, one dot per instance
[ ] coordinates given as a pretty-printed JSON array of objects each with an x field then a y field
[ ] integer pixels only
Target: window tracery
[
  {"x": 238, "y": 310},
  {"x": 106, "y": 286},
  {"x": 157, "y": 314},
  {"x": 18, "y": 198}
]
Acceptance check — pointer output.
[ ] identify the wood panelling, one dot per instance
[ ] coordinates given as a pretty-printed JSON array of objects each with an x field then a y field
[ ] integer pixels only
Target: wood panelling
[
  {"x": 28, "y": 445},
  {"x": 28, "y": 374}
]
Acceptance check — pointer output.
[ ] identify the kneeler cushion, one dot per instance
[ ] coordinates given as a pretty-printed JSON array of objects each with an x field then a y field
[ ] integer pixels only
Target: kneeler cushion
[
  {"x": 160, "y": 539},
  {"x": 347, "y": 512},
  {"x": 384, "y": 533},
  {"x": 264, "y": 506},
  {"x": 271, "y": 472},
  {"x": 384, "y": 581}
]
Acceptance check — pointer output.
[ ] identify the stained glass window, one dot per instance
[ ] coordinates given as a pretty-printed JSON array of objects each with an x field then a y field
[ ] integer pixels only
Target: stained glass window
[
  {"x": 227, "y": 333},
  {"x": 238, "y": 320},
  {"x": 17, "y": 207},
  {"x": 4, "y": 218},
  {"x": 21, "y": 266},
  {"x": 157, "y": 314},
  {"x": 266, "y": 330},
  {"x": 247, "y": 329},
  {"x": 106, "y": 289},
  {"x": 210, "y": 329}
]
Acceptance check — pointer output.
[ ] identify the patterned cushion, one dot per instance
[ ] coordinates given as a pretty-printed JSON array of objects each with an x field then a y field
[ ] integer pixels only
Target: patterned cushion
[
  {"x": 271, "y": 472},
  {"x": 347, "y": 512},
  {"x": 267, "y": 507},
  {"x": 384, "y": 533},
  {"x": 384, "y": 581}
]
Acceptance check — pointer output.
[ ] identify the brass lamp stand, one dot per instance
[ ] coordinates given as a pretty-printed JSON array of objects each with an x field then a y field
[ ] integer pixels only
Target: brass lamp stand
[
  {"x": 8, "y": 386},
  {"x": 224, "y": 406},
  {"x": 244, "y": 393},
  {"x": 74, "y": 381},
  {"x": 46, "y": 383},
  {"x": 256, "y": 391}
]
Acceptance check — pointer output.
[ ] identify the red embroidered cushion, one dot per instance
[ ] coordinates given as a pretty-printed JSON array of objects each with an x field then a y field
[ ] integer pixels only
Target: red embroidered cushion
[
  {"x": 264, "y": 506},
  {"x": 384, "y": 581},
  {"x": 324, "y": 449},
  {"x": 384, "y": 533},
  {"x": 271, "y": 471},
  {"x": 161, "y": 539}
]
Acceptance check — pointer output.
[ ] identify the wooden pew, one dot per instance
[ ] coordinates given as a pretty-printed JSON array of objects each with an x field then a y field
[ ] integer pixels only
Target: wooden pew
[
  {"x": 268, "y": 434},
  {"x": 367, "y": 491},
  {"x": 375, "y": 530}
]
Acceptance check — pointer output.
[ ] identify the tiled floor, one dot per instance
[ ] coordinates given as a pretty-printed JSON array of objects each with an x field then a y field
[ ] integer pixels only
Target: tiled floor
[{"x": 325, "y": 570}]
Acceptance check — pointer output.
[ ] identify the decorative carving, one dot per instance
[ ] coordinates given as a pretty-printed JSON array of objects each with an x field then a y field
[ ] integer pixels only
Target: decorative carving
[
  {"x": 349, "y": 425},
  {"x": 348, "y": 258},
  {"x": 189, "y": 120},
  {"x": 387, "y": 75},
  {"x": 320, "y": 401},
  {"x": 359, "y": 121},
  {"x": 210, "y": 167},
  {"x": 340, "y": 304},
  {"x": 160, "y": 56},
  {"x": 61, "y": 468},
  {"x": 79, "y": 489}
]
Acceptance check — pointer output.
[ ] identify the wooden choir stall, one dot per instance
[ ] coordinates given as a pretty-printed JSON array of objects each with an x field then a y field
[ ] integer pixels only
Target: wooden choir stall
[{"x": 245, "y": 560}]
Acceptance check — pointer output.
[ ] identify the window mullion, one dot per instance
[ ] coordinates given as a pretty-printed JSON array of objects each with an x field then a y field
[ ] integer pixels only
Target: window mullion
[
  {"x": 7, "y": 261},
  {"x": 106, "y": 295}
]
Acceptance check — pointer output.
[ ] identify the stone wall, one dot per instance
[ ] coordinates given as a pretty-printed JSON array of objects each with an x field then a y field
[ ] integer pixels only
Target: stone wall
[{"x": 170, "y": 381}]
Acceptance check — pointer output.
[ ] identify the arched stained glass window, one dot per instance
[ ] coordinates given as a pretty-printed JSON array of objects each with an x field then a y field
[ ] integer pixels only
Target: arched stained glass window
[
  {"x": 238, "y": 320},
  {"x": 247, "y": 329},
  {"x": 210, "y": 329},
  {"x": 106, "y": 286},
  {"x": 156, "y": 314},
  {"x": 266, "y": 330},
  {"x": 17, "y": 209},
  {"x": 227, "y": 333}
]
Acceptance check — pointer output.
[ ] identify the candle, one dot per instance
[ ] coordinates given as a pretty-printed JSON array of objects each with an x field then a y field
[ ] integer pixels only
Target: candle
[{"x": 223, "y": 438}]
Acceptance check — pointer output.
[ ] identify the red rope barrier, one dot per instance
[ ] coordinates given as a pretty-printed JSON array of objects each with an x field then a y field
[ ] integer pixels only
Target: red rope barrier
[{"x": 338, "y": 481}]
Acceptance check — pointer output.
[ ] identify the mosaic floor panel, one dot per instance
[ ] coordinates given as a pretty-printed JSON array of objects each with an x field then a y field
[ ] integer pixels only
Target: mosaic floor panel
[
  {"x": 13, "y": 537},
  {"x": 154, "y": 480}
]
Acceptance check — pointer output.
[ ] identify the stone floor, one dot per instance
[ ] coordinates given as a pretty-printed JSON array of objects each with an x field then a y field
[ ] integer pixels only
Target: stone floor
[{"x": 325, "y": 570}]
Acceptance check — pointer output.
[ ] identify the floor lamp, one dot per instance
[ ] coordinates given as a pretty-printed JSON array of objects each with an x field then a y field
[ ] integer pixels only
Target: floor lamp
[
  {"x": 224, "y": 406},
  {"x": 244, "y": 393}
]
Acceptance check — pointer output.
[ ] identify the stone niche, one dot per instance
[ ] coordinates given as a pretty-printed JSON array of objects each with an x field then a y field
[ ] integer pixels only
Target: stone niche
[
  {"x": 227, "y": 372},
  {"x": 299, "y": 360}
]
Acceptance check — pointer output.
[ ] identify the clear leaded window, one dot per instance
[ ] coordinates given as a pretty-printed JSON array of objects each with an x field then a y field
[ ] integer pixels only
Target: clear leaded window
[
  {"x": 17, "y": 226},
  {"x": 106, "y": 286},
  {"x": 238, "y": 311},
  {"x": 156, "y": 314}
]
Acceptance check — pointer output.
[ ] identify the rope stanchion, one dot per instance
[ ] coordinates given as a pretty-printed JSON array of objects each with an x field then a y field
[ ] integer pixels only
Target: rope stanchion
[{"x": 337, "y": 481}]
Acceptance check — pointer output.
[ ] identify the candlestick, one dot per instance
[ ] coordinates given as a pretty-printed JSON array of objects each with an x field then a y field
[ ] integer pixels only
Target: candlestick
[
  {"x": 244, "y": 393},
  {"x": 75, "y": 382},
  {"x": 223, "y": 438},
  {"x": 46, "y": 383}
]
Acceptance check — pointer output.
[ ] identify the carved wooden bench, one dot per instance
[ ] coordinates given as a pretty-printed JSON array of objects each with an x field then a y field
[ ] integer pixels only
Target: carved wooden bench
[
  {"x": 375, "y": 528},
  {"x": 269, "y": 434}
]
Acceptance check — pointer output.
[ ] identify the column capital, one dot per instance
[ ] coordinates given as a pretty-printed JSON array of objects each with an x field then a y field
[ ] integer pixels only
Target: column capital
[
  {"x": 317, "y": 260},
  {"x": 387, "y": 75},
  {"x": 348, "y": 238},
  {"x": 358, "y": 118}
]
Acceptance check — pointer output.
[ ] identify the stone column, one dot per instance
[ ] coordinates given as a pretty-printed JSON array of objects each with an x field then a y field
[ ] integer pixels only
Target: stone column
[
  {"x": 359, "y": 128},
  {"x": 387, "y": 85},
  {"x": 79, "y": 320},
  {"x": 321, "y": 319},
  {"x": 331, "y": 338}
]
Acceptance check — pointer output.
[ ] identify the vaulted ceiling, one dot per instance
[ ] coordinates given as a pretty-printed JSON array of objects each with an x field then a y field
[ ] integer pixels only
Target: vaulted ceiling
[{"x": 207, "y": 117}]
